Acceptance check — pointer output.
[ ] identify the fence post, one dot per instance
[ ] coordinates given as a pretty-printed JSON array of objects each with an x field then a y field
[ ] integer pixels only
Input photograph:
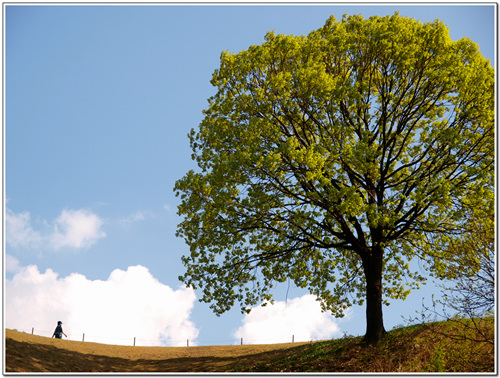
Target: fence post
[
  {"x": 134, "y": 341},
  {"x": 187, "y": 342},
  {"x": 293, "y": 336},
  {"x": 83, "y": 338},
  {"x": 32, "y": 330},
  {"x": 242, "y": 341}
]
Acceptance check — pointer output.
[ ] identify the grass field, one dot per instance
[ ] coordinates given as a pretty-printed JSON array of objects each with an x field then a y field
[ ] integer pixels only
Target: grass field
[
  {"x": 411, "y": 349},
  {"x": 31, "y": 353}
]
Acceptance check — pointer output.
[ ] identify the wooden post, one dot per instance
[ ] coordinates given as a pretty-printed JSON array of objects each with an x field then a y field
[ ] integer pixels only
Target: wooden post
[
  {"x": 242, "y": 341},
  {"x": 32, "y": 330},
  {"x": 83, "y": 338},
  {"x": 293, "y": 336},
  {"x": 187, "y": 342},
  {"x": 134, "y": 341}
]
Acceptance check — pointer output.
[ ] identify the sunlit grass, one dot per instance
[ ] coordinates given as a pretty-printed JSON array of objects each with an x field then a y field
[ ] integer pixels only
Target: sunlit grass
[{"x": 452, "y": 346}]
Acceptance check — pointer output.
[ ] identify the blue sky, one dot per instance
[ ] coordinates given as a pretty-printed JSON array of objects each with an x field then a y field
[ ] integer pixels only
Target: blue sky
[{"x": 98, "y": 102}]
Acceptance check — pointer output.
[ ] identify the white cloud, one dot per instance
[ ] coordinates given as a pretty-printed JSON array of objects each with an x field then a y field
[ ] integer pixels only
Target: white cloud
[
  {"x": 299, "y": 317},
  {"x": 19, "y": 232},
  {"x": 72, "y": 229},
  {"x": 76, "y": 229},
  {"x": 169, "y": 209},
  {"x": 133, "y": 218},
  {"x": 12, "y": 264},
  {"x": 128, "y": 304}
]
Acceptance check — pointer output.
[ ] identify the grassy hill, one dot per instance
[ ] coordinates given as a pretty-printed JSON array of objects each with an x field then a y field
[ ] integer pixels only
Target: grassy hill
[{"x": 422, "y": 348}]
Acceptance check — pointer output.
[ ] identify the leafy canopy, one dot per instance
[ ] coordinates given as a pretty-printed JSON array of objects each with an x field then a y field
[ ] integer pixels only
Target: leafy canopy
[{"x": 315, "y": 149}]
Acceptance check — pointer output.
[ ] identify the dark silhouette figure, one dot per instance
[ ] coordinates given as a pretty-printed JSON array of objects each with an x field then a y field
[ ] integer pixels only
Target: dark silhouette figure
[{"x": 59, "y": 331}]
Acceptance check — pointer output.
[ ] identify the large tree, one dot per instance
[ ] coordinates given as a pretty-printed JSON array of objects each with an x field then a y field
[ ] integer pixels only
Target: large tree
[{"x": 330, "y": 159}]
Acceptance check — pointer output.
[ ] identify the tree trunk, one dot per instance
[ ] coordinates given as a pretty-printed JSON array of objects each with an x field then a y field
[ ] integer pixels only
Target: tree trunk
[{"x": 374, "y": 319}]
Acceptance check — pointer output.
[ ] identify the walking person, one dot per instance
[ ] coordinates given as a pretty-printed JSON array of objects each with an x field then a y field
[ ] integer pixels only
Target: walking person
[{"x": 59, "y": 331}]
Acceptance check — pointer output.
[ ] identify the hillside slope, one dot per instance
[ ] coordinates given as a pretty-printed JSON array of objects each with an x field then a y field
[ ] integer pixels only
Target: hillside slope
[
  {"x": 31, "y": 353},
  {"x": 412, "y": 349}
]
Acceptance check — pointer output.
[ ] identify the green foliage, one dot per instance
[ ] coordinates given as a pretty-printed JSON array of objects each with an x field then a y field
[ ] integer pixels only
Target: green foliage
[
  {"x": 437, "y": 362},
  {"x": 466, "y": 264},
  {"x": 320, "y": 154},
  {"x": 468, "y": 259}
]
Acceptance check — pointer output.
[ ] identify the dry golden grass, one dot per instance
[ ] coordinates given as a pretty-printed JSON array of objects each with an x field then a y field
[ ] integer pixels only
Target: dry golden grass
[
  {"x": 152, "y": 353},
  {"x": 25, "y": 352}
]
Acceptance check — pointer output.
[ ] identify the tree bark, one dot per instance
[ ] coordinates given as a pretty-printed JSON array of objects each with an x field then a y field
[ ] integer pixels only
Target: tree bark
[{"x": 372, "y": 266}]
